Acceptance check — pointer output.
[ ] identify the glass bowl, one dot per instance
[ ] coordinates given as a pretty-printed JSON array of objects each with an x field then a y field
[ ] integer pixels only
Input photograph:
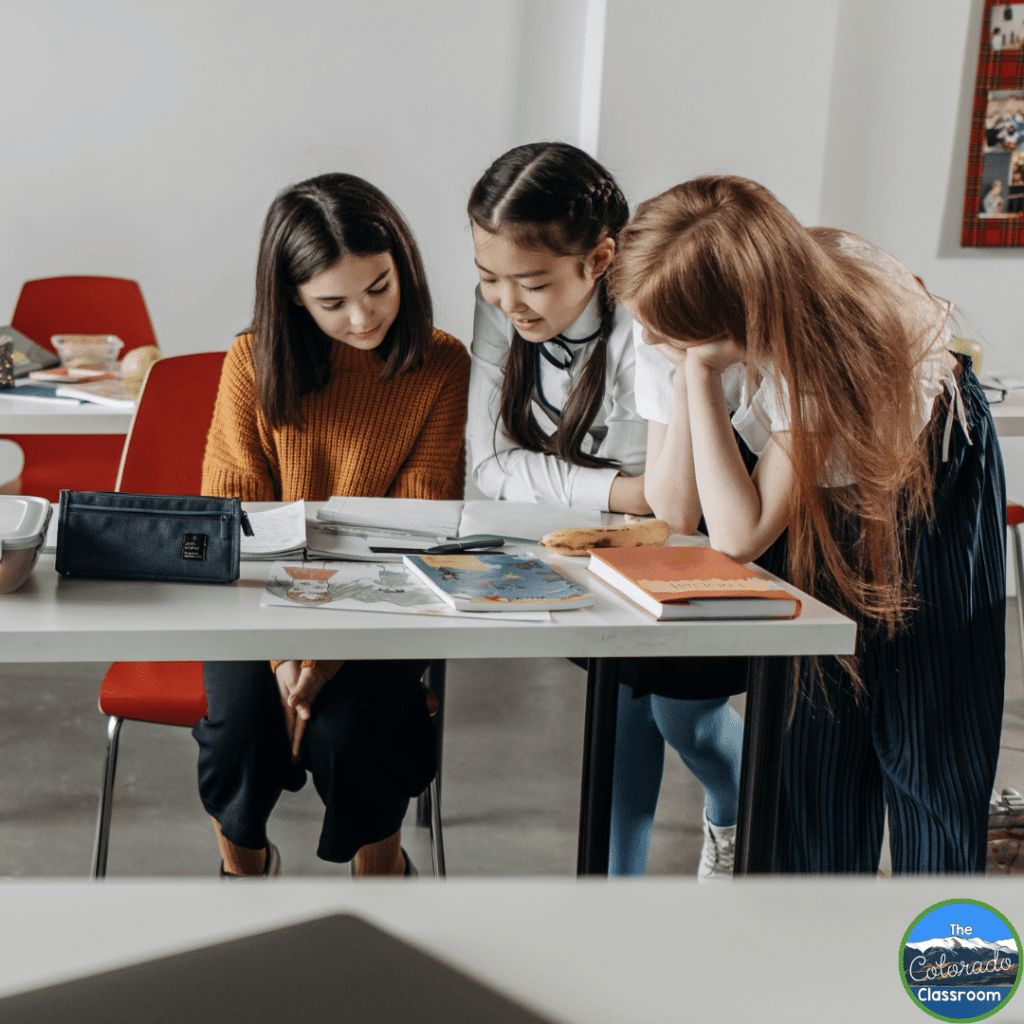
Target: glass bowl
[{"x": 88, "y": 351}]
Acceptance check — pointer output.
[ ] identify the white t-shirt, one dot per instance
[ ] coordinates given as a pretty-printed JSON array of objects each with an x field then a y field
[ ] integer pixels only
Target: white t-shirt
[
  {"x": 767, "y": 412},
  {"x": 502, "y": 470}
]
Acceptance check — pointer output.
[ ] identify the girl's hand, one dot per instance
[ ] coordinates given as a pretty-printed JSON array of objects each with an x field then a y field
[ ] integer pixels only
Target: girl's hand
[
  {"x": 298, "y": 688},
  {"x": 715, "y": 355}
]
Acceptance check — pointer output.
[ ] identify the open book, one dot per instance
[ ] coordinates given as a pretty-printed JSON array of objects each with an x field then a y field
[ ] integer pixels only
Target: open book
[
  {"x": 285, "y": 533},
  {"x": 513, "y": 520},
  {"x": 277, "y": 534}
]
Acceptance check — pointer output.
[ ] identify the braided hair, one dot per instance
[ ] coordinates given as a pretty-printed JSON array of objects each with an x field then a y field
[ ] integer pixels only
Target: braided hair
[{"x": 550, "y": 195}]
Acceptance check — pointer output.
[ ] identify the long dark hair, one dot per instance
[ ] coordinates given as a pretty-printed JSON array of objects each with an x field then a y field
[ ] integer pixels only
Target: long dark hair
[
  {"x": 549, "y": 195},
  {"x": 309, "y": 227}
]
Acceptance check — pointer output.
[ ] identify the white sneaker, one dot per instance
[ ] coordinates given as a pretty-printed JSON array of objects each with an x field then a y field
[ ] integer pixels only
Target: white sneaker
[{"x": 719, "y": 852}]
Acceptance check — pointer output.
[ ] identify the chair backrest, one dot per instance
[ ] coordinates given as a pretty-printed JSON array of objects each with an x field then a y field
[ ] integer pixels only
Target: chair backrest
[
  {"x": 83, "y": 305},
  {"x": 163, "y": 453}
]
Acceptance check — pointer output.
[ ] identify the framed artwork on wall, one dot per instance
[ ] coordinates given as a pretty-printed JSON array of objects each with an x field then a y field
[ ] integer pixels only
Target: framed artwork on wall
[{"x": 994, "y": 196}]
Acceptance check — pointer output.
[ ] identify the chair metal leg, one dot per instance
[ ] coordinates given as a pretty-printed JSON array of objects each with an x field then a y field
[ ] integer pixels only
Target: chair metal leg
[
  {"x": 99, "y": 860},
  {"x": 1018, "y": 564},
  {"x": 436, "y": 835},
  {"x": 434, "y": 678}
]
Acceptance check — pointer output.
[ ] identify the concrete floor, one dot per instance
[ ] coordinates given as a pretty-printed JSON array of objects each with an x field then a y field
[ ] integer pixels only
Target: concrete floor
[{"x": 513, "y": 747}]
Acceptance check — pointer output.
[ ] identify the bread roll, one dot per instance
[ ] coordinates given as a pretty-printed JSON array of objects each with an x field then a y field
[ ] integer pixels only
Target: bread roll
[{"x": 648, "y": 533}]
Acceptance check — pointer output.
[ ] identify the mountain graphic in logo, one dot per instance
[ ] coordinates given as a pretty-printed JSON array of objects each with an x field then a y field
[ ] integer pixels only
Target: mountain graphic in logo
[{"x": 950, "y": 960}]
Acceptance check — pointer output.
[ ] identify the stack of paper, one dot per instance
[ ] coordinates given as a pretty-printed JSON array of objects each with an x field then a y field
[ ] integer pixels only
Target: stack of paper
[
  {"x": 111, "y": 393},
  {"x": 38, "y": 392}
]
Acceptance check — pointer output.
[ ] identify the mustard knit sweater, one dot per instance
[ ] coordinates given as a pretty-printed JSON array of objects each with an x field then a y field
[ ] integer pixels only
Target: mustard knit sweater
[{"x": 402, "y": 438}]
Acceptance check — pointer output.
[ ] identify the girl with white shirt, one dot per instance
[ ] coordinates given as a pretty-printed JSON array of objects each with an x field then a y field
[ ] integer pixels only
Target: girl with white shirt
[
  {"x": 552, "y": 419},
  {"x": 880, "y": 470}
]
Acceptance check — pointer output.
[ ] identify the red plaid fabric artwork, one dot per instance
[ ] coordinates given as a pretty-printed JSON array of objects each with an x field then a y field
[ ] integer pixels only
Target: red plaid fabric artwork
[{"x": 1000, "y": 68}]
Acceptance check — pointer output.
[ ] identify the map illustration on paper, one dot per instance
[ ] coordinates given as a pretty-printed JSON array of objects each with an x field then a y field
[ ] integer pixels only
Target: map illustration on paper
[
  {"x": 358, "y": 586},
  {"x": 355, "y": 586}
]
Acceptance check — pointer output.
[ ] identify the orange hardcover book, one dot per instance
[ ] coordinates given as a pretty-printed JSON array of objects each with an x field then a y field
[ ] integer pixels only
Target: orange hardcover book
[{"x": 691, "y": 583}]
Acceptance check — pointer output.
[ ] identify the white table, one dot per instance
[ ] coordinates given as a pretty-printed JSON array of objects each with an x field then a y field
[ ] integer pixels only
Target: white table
[
  {"x": 39, "y": 416},
  {"x": 589, "y": 952},
  {"x": 51, "y": 618},
  {"x": 1008, "y": 415},
  {"x": 56, "y": 619}
]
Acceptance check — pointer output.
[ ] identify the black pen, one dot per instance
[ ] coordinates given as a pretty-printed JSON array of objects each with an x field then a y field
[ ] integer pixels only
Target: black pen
[{"x": 480, "y": 540}]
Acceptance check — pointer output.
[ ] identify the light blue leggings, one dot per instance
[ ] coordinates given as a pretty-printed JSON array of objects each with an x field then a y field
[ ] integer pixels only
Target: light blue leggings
[{"x": 707, "y": 735}]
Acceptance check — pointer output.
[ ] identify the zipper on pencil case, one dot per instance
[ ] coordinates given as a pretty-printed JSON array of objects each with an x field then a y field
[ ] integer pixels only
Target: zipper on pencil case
[{"x": 225, "y": 518}]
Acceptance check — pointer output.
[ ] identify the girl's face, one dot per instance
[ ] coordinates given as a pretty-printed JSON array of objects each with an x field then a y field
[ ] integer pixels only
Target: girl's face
[
  {"x": 354, "y": 301},
  {"x": 541, "y": 292}
]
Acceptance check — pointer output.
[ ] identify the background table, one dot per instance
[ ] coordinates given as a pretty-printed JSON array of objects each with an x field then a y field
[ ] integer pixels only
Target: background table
[
  {"x": 65, "y": 444},
  {"x": 25, "y": 416},
  {"x": 646, "y": 951},
  {"x": 1008, "y": 415}
]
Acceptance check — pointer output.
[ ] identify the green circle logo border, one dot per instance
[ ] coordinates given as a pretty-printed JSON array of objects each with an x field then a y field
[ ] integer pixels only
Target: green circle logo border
[{"x": 903, "y": 976}]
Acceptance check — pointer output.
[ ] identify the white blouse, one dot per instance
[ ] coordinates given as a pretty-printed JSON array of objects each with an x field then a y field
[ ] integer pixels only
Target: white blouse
[{"x": 503, "y": 470}]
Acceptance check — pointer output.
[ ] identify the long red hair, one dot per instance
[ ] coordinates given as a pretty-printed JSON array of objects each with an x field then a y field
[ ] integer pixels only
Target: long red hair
[{"x": 721, "y": 256}]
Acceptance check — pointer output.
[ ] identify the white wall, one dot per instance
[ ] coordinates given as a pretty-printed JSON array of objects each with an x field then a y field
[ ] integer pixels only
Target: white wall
[
  {"x": 146, "y": 139},
  {"x": 695, "y": 88}
]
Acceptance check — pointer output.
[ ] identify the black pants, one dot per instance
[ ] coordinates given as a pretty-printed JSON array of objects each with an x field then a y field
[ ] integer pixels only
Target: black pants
[
  {"x": 369, "y": 746},
  {"x": 925, "y": 741}
]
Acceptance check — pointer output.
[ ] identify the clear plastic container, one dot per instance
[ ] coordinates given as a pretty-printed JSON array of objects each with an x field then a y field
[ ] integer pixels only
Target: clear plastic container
[
  {"x": 88, "y": 351},
  {"x": 23, "y": 523}
]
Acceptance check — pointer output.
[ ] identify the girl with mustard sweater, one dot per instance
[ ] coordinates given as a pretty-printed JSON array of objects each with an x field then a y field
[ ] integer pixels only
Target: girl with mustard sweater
[{"x": 341, "y": 387}]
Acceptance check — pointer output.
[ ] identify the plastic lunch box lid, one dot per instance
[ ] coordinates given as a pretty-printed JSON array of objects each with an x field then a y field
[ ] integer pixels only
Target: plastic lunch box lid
[{"x": 23, "y": 521}]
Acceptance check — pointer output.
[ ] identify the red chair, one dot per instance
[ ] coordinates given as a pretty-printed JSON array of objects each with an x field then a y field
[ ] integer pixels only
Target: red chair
[
  {"x": 1014, "y": 518},
  {"x": 163, "y": 454},
  {"x": 83, "y": 305},
  {"x": 77, "y": 305}
]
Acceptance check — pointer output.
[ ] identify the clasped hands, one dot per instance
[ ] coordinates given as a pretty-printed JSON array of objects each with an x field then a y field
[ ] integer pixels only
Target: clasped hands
[{"x": 298, "y": 688}]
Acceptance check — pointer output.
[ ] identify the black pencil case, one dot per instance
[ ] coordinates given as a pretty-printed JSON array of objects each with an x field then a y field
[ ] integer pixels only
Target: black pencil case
[{"x": 169, "y": 537}]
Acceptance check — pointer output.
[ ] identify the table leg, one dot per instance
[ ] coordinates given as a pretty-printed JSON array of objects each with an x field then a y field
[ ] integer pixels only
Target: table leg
[
  {"x": 761, "y": 774},
  {"x": 598, "y": 755}
]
